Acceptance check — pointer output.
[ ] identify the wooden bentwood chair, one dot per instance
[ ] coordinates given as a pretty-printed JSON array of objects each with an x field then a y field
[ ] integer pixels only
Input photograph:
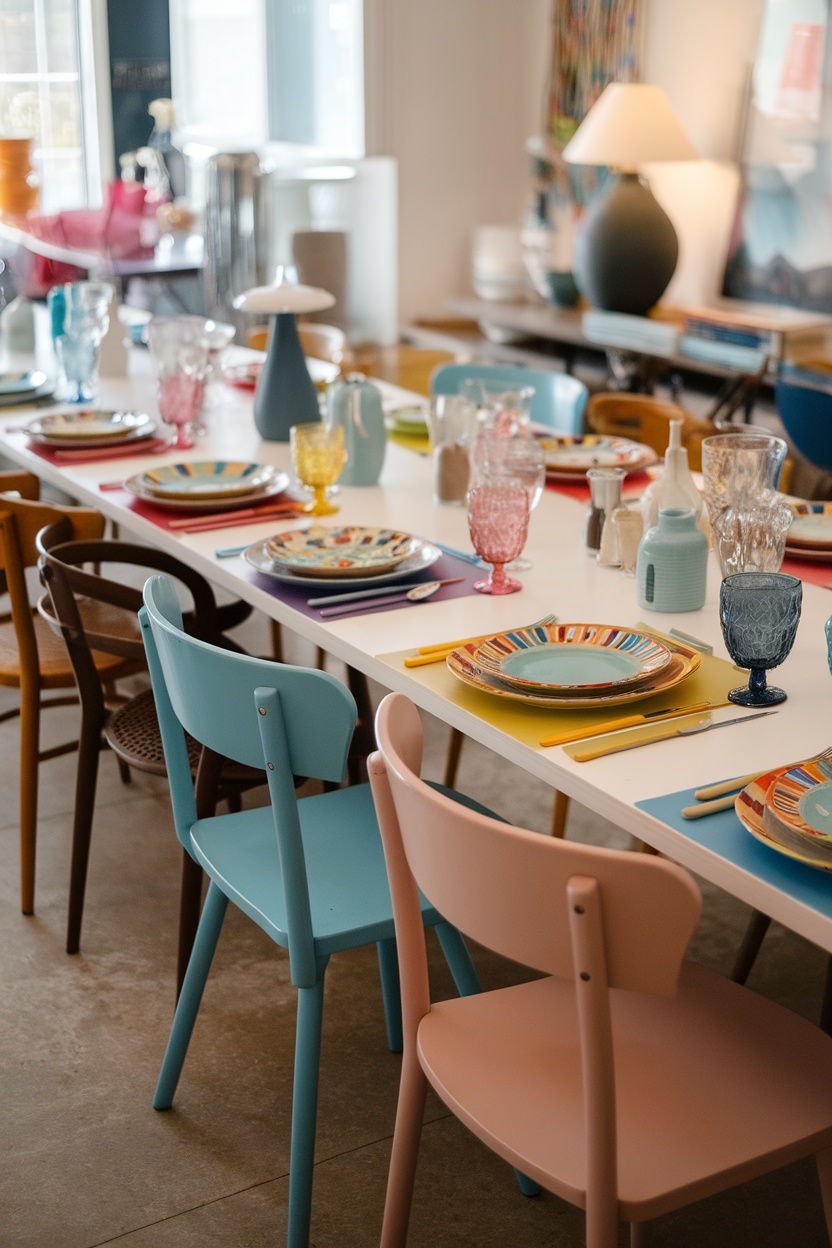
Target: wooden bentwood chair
[
  {"x": 629, "y": 1081},
  {"x": 32, "y": 658},
  {"x": 96, "y": 614},
  {"x": 309, "y": 872}
]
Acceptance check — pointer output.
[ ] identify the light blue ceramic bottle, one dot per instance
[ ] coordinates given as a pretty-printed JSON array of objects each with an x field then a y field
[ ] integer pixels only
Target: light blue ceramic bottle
[
  {"x": 355, "y": 404},
  {"x": 672, "y": 563}
]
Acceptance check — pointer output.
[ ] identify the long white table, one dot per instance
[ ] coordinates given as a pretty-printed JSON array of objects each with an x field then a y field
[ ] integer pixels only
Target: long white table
[{"x": 563, "y": 580}]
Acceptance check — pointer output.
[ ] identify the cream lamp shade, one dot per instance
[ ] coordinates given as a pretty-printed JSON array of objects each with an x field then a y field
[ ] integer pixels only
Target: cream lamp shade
[
  {"x": 626, "y": 247},
  {"x": 284, "y": 297},
  {"x": 630, "y": 123}
]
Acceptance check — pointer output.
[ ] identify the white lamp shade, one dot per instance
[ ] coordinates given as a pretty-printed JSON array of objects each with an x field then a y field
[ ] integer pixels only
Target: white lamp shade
[
  {"x": 630, "y": 123},
  {"x": 284, "y": 297}
]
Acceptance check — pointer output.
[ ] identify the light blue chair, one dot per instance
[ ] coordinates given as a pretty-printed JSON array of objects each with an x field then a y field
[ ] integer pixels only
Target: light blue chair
[
  {"x": 310, "y": 873},
  {"x": 559, "y": 399}
]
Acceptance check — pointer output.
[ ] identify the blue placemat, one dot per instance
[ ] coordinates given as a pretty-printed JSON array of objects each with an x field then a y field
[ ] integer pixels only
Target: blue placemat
[{"x": 724, "y": 835}]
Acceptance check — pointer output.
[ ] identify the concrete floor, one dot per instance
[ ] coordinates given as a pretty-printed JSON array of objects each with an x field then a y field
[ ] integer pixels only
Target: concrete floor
[{"x": 85, "y": 1159}]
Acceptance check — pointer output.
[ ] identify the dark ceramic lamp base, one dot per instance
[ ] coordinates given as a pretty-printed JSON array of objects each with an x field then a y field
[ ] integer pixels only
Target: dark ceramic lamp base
[{"x": 626, "y": 249}]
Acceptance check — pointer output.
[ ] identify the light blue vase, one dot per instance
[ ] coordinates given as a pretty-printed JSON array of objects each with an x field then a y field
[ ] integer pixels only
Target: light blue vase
[
  {"x": 672, "y": 564},
  {"x": 286, "y": 394},
  {"x": 355, "y": 404}
]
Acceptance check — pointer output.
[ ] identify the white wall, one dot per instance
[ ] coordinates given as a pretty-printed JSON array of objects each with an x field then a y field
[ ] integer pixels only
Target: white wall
[
  {"x": 702, "y": 55},
  {"x": 456, "y": 86}
]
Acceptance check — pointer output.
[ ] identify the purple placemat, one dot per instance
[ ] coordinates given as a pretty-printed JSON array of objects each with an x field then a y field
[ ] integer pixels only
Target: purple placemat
[{"x": 295, "y": 596}]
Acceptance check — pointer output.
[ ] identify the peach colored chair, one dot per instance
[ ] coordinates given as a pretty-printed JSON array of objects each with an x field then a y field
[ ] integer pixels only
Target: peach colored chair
[{"x": 628, "y": 1081}]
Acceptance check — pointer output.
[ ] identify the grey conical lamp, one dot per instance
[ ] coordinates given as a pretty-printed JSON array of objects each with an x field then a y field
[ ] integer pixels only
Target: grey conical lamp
[
  {"x": 626, "y": 247},
  {"x": 285, "y": 394}
]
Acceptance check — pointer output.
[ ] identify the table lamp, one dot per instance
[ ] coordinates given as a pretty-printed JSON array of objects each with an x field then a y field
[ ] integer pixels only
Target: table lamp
[
  {"x": 285, "y": 394},
  {"x": 626, "y": 247}
]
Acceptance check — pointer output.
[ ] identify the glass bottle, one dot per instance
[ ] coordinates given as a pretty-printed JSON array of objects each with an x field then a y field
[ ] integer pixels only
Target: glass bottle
[
  {"x": 605, "y": 495},
  {"x": 675, "y": 488},
  {"x": 161, "y": 139}
]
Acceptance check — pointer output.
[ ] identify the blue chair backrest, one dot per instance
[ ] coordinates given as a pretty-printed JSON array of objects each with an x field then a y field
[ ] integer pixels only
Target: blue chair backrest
[
  {"x": 804, "y": 405},
  {"x": 288, "y": 720},
  {"x": 559, "y": 399},
  {"x": 212, "y": 695}
]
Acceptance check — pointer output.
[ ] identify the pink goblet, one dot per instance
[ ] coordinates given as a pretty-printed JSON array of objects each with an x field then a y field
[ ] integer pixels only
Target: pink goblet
[
  {"x": 179, "y": 346},
  {"x": 498, "y": 520}
]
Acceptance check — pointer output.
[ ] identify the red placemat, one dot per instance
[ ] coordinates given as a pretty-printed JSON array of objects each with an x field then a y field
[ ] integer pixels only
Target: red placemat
[
  {"x": 634, "y": 485},
  {"x": 810, "y": 572},
  {"x": 152, "y": 446}
]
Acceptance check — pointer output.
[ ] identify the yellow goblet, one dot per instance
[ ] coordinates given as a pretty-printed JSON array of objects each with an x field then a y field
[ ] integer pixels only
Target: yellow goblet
[{"x": 318, "y": 456}]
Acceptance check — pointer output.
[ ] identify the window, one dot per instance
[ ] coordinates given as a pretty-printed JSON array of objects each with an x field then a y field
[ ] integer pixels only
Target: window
[
  {"x": 248, "y": 71},
  {"x": 45, "y": 55}
]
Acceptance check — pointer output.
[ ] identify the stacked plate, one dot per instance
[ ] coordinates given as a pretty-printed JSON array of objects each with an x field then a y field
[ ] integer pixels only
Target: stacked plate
[
  {"x": 790, "y": 810},
  {"x": 568, "y": 457},
  {"x": 89, "y": 429},
  {"x": 572, "y": 666},
  {"x": 18, "y": 389},
  {"x": 214, "y": 483},
  {"x": 407, "y": 421},
  {"x": 352, "y": 554},
  {"x": 810, "y": 535}
]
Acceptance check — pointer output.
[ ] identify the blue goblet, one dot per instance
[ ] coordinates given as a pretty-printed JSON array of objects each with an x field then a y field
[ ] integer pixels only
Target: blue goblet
[{"x": 759, "y": 613}]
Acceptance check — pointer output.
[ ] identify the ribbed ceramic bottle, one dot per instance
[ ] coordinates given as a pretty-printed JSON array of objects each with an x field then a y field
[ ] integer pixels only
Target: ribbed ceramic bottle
[
  {"x": 675, "y": 487},
  {"x": 355, "y": 404},
  {"x": 672, "y": 563}
]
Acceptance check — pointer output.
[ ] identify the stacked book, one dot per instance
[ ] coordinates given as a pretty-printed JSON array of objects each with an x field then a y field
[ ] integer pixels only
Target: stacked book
[
  {"x": 746, "y": 336},
  {"x": 630, "y": 333}
]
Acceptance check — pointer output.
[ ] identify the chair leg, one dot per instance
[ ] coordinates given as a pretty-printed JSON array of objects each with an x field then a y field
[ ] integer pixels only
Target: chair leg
[
  {"x": 459, "y": 960},
  {"x": 452, "y": 761},
  {"x": 210, "y": 925},
  {"x": 824, "y": 1164},
  {"x": 29, "y": 747},
  {"x": 758, "y": 925},
  {"x": 363, "y": 740},
  {"x": 89, "y": 750},
  {"x": 304, "y": 1109},
  {"x": 124, "y": 771},
  {"x": 405, "y": 1153},
  {"x": 388, "y": 966},
  {"x": 639, "y": 1234},
  {"x": 559, "y": 814},
  {"x": 190, "y": 904},
  {"x": 277, "y": 642}
]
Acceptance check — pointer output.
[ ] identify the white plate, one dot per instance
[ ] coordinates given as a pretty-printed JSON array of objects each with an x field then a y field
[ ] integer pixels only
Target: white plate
[
  {"x": 136, "y": 486},
  {"x": 424, "y": 557},
  {"x": 87, "y": 429}
]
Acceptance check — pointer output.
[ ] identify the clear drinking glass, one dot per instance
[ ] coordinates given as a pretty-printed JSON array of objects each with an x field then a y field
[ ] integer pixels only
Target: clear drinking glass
[
  {"x": 508, "y": 412},
  {"x": 80, "y": 319},
  {"x": 180, "y": 351},
  {"x": 318, "y": 456},
  {"x": 759, "y": 614},
  {"x": 498, "y": 520},
  {"x": 749, "y": 519},
  {"x": 452, "y": 423}
]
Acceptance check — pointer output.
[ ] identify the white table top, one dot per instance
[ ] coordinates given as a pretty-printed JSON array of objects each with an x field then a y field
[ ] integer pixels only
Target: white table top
[{"x": 563, "y": 580}]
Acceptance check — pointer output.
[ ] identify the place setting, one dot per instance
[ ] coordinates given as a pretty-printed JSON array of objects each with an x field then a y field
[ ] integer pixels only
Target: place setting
[
  {"x": 328, "y": 572},
  {"x": 29, "y": 387},
  {"x": 86, "y": 435},
  {"x": 569, "y": 457}
]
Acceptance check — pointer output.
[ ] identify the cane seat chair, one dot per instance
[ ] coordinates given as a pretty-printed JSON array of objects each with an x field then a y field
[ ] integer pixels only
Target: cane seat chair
[
  {"x": 309, "y": 872},
  {"x": 97, "y": 613},
  {"x": 32, "y": 658},
  {"x": 628, "y": 1081}
]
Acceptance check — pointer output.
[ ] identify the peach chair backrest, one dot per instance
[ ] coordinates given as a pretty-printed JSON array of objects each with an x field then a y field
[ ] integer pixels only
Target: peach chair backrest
[{"x": 509, "y": 888}]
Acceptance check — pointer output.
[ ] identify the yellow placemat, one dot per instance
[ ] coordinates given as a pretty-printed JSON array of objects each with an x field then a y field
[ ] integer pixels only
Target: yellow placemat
[
  {"x": 410, "y": 441},
  {"x": 528, "y": 724}
]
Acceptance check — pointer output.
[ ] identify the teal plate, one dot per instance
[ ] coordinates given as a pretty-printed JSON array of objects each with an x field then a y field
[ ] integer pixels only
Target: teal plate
[{"x": 573, "y": 658}]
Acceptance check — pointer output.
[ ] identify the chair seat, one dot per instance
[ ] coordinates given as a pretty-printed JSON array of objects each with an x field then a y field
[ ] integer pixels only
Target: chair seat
[
  {"x": 349, "y": 894},
  {"x": 511, "y": 1073},
  {"x": 55, "y": 667}
]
